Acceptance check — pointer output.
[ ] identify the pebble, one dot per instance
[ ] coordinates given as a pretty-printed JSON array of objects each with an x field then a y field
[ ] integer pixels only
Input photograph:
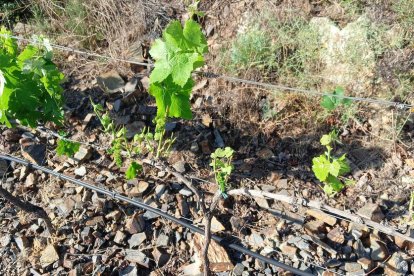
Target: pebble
[
  {"x": 87, "y": 120},
  {"x": 137, "y": 256},
  {"x": 119, "y": 237},
  {"x": 135, "y": 224},
  {"x": 357, "y": 234},
  {"x": 333, "y": 263},
  {"x": 218, "y": 140},
  {"x": 82, "y": 154},
  {"x": 170, "y": 126},
  {"x": 238, "y": 269},
  {"x": 22, "y": 243},
  {"x": 265, "y": 153},
  {"x": 321, "y": 216},
  {"x": 130, "y": 270},
  {"x": 378, "y": 251},
  {"x": 186, "y": 192},
  {"x": 182, "y": 206},
  {"x": 336, "y": 235},
  {"x": 267, "y": 188},
  {"x": 111, "y": 81},
  {"x": 137, "y": 239},
  {"x": 179, "y": 166},
  {"x": 216, "y": 225},
  {"x": 294, "y": 239},
  {"x": 256, "y": 240},
  {"x": 67, "y": 206},
  {"x": 133, "y": 128},
  {"x": 49, "y": 255},
  {"x": 236, "y": 223},
  {"x": 371, "y": 211},
  {"x": 35, "y": 153},
  {"x": 81, "y": 171},
  {"x": 160, "y": 256},
  {"x": 396, "y": 265},
  {"x": 365, "y": 263},
  {"x": 138, "y": 189},
  {"x": 162, "y": 240},
  {"x": 262, "y": 202},
  {"x": 360, "y": 250},
  {"x": 5, "y": 240},
  {"x": 159, "y": 190},
  {"x": 315, "y": 227},
  {"x": 114, "y": 215},
  {"x": 131, "y": 85},
  {"x": 352, "y": 267},
  {"x": 31, "y": 180},
  {"x": 303, "y": 245},
  {"x": 287, "y": 249}
]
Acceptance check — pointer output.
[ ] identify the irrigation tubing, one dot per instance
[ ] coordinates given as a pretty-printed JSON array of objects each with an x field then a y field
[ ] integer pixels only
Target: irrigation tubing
[{"x": 144, "y": 206}]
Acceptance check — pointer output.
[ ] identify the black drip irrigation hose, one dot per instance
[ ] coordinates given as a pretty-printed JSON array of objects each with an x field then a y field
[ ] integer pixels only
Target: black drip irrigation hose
[{"x": 141, "y": 205}]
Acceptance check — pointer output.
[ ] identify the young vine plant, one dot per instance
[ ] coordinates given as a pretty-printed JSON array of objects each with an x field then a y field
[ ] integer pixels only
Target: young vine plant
[
  {"x": 30, "y": 83},
  {"x": 329, "y": 169},
  {"x": 222, "y": 167},
  {"x": 330, "y": 103},
  {"x": 177, "y": 54}
]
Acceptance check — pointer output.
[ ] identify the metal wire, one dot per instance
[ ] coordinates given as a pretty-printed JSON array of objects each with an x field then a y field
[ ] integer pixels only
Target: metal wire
[
  {"x": 144, "y": 206},
  {"x": 397, "y": 105}
]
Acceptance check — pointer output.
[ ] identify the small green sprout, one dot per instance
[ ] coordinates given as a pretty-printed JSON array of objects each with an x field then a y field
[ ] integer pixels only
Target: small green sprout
[
  {"x": 332, "y": 102},
  {"x": 133, "y": 170},
  {"x": 222, "y": 167},
  {"x": 66, "y": 147}
]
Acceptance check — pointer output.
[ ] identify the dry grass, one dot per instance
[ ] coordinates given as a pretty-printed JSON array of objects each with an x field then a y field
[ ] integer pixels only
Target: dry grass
[{"x": 116, "y": 27}]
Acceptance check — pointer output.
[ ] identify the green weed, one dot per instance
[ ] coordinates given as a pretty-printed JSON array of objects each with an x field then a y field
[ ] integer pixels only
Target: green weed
[
  {"x": 405, "y": 16},
  {"x": 284, "y": 50}
]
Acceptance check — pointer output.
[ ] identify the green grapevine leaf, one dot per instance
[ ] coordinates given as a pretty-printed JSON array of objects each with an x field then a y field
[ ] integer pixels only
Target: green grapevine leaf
[
  {"x": 335, "y": 183},
  {"x": 345, "y": 168},
  {"x": 321, "y": 167},
  {"x": 68, "y": 148},
  {"x": 335, "y": 167},
  {"x": 172, "y": 100},
  {"x": 177, "y": 55},
  {"x": 133, "y": 170},
  {"x": 328, "y": 103},
  {"x": 332, "y": 186},
  {"x": 221, "y": 163},
  {"x": 326, "y": 140},
  {"x": 9, "y": 45},
  {"x": 31, "y": 92},
  {"x": 332, "y": 102},
  {"x": 192, "y": 32}
]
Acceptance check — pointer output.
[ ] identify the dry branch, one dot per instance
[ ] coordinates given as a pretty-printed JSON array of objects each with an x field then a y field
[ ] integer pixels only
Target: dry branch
[{"x": 27, "y": 207}]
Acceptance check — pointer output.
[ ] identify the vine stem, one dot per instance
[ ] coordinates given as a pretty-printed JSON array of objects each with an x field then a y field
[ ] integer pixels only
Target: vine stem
[
  {"x": 207, "y": 213},
  {"x": 27, "y": 207},
  {"x": 207, "y": 231}
]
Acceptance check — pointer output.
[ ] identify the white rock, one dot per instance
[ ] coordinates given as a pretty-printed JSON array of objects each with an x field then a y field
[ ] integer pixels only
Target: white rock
[{"x": 81, "y": 171}]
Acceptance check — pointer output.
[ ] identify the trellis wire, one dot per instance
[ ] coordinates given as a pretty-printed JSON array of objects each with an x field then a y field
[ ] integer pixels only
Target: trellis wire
[{"x": 397, "y": 105}]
